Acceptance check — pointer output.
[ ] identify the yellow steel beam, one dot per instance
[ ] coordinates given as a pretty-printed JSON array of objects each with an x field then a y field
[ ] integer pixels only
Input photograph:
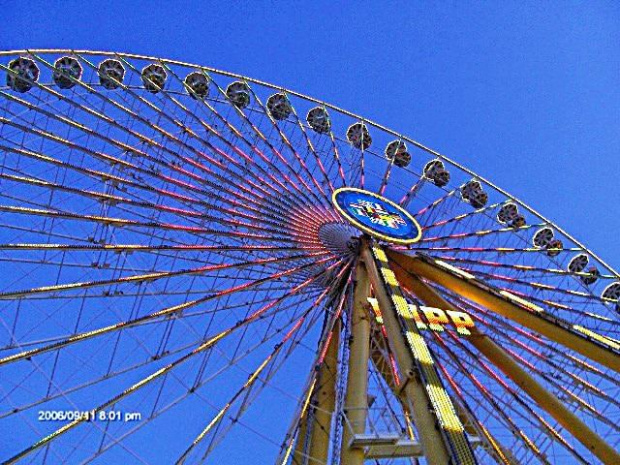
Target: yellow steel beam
[
  {"x": 502, "y": 360},
  {"x": 441, "y": 432},
  {"x": 379, "y": 355},
  {"x": 325, "y": 402},
  {"x": 545, "y": 399},
  {"x": 594, "y": 346},
  {"x": 299, "y": 456},
  {"x": 318, "y": 419},
  {"x": 356, "y": 400}
]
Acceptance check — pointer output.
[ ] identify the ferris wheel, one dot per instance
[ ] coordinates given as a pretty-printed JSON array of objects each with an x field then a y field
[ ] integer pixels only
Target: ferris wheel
[{"x": 199, "y": 267}]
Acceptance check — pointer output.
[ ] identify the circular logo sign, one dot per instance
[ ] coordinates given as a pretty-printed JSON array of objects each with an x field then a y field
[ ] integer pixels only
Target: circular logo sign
[{"x": 376, "y": 215}]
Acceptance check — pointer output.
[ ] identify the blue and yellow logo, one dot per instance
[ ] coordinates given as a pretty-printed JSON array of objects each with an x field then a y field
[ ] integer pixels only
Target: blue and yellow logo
[{"x": 376, "y": 215}]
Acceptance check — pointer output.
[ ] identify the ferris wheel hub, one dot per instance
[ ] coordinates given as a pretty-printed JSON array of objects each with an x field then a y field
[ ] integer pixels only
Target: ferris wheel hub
[{"x": 376, "y": 215}]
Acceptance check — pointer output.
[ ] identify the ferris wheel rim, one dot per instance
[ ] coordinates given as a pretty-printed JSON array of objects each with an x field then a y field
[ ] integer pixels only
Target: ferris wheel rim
[{"x": 343, "y": 111}]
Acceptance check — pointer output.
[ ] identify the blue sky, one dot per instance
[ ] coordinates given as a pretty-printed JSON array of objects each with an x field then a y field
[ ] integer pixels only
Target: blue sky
[{"x": 527, "y": 94}]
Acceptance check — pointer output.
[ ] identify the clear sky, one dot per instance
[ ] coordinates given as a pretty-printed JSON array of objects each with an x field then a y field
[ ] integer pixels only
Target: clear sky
[{"x": 527, "y": 94}]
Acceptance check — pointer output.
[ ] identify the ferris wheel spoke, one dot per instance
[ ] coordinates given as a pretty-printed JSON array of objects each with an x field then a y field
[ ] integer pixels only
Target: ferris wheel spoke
[
  {"x": 560, "y": 389},
  {"x": 177, "y": 251},
  {"x": 49, "y": 234},
  {"x": 115, "y": 248},
  {"x": 338, "y": 159},
  {"x": 151, "y": 359},
  {"x": 307, "y": 192},
  {"x": 430, "y": 208},
  {"x": 83, "y": 238},
  {"x": 462, "y": 217},
  {"x": 249, "y": 384},
  {"x": 169, "y": 136},
  {"x": 251, "y": 189},
  {"x": 321, "y": 196},
  {"x": 101, "y": 245},
  {"x": 101, "y": 175},
  {"x": 549, "y": 350},
  {"x": 386, "y": 177},
  {"x": 391, "y": 152},
  {"x": 519, "y": 267},
  {"x": 540, "y": 287},
  {"x": 496, "y": 250},
  {"x": 164, "y": 294},
  {"x": 202, "y": 381},
  {"x": 589, "y": 318},
  {"x": 115, "y": 199},
  {"x": 587, "y": 308},
  {"x": 484, "y": 232},
  {"x": 176, "y": 310},
  {"x": 189, "y": 216},
  {"x": 413, "y": 190},
  {"x": 192, "y": 116},
  {"x": 106, "y": 158},
  {"x": 9, "y": 295},
  {"x": 93, "y": 133},
  {"x": 290, "y": 199},
  {"x": 252, "y": 394},
  {"x": 310, "y": 145},
  {"x": 198, "y": 231},
  {"x": 151, "y": 172},
  {"x": 122, "y": 222},
  {"x": 207, "y": 345},
  {"x": 502, "y": 410},
  {"x": 282, "y": 287}
]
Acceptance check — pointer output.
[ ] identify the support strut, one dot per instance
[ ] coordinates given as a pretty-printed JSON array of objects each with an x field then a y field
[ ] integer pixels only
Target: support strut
[
  {"x": 502, "y": 360},
  {"x": 594, "y": 346},
  {"x": 356, "y": 400},
  {"x": 324, "y": 404},
  {"x": 442, "y": 434}
]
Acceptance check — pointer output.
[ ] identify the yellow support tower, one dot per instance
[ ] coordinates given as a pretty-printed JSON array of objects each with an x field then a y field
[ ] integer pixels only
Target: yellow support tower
[
  {"x": 324, "y": 405},
  {"x": 502, "y": 360},
  {"x": 441, "y": 432},
  {"x": 356, "y": 400},
  {"x": 594, "y": 346}
]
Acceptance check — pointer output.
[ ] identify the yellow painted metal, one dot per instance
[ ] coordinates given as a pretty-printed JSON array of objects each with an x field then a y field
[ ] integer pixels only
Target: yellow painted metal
[
  {"x": 356, "y": 400},
  {"x": 545, "y": 399},
  {"x": 378, "y": 355},
  {"x": 434, "y": 413},
  {"x": 299, "y": 454},
  {"x": 512, "y": 307},
  {"x": 325, "y": 401},
  {"x": 502, "y": 360}
]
